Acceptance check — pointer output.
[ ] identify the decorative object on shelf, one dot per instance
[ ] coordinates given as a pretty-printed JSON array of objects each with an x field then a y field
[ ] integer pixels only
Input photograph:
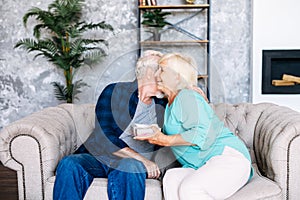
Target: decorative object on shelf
[
  {"x": 147, "y": 2},
  {"x": 63, "y": 44},
  {"x": 155, "y": 21},
  {"x": 190, "y": 1}
]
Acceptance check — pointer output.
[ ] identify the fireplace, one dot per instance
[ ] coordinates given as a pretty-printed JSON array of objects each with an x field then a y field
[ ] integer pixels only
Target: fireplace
[{"x": 275, "y": 64}]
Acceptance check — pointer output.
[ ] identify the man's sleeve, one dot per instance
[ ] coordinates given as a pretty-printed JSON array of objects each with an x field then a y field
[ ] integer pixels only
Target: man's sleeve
[
  {"x": 107, "y": 124},
  {"x": 160, "y": 105}
]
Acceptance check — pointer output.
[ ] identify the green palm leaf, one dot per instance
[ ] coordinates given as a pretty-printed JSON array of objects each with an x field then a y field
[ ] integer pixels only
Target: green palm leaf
[
  {"x": 32, "y": 12},
  {"x": 101, "y": 25},
  {"x": 60, "y": 91},
  {"x": 93, "y": 57},
  {"x": 27, "y": 44},
  {"x": 63, "y": 44},
  {"x": 77, "y": 85}
]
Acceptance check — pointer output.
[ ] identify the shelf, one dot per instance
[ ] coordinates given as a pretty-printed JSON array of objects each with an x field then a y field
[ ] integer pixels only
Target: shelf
[
  {"x": 195, "y": 40},
  {"x": 187, "y": 6},
  {"x": 203, "y": 76},
  {"x": 172, "y": 42}
]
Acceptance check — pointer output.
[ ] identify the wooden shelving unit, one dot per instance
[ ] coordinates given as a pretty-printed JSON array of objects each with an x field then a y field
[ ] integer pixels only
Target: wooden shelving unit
[
  {"x": 194, "y": 40},
  {"x": 170, "y": 42},
  {"x": 187, "y": 6}
]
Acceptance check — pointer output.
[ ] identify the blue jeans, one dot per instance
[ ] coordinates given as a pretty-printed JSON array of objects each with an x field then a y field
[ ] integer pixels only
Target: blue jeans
[{"x": 76, "y": 172}]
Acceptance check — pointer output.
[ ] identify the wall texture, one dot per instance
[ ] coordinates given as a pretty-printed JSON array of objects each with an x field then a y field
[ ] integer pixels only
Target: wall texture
[
  {"x": 25, "y": 85},
  {"x": 265, "y": 37}
]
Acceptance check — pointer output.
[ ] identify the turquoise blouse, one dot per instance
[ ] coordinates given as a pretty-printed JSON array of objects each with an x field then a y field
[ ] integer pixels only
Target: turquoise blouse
[{"x": 192, "y": 117}]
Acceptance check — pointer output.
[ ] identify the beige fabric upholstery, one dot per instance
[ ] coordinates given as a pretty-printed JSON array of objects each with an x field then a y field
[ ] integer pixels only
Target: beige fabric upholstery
[
  {"x": 34, "y": 145},
  {"x": 98, "y": 189}
]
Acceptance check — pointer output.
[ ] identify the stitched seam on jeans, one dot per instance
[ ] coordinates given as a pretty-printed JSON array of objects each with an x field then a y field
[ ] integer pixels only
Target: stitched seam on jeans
[
  {"x": 23, "y": 172},
  {"x": 82, "y": 180}
]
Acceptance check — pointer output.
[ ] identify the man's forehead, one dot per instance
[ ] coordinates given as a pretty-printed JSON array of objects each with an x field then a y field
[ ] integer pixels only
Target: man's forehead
[{"x": 154, "y": 57}]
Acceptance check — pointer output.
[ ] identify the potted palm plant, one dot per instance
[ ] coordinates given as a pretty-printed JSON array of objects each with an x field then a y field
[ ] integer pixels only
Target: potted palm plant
[
  {"x": 155, "y": 20},
  {"x": 63, "y": 43}
]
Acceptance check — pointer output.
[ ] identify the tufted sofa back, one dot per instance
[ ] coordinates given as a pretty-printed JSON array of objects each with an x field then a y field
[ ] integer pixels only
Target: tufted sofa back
[
  {"x": 83, "y": 116},
  {"x": 242, "y": 120}
]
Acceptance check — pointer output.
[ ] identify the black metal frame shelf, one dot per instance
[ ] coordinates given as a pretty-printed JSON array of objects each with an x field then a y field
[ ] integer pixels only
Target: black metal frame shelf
[
  {"x": 193, "y": 6},
  {"x": 196, "y": 40},
  {"x": 172, "y": 42}
]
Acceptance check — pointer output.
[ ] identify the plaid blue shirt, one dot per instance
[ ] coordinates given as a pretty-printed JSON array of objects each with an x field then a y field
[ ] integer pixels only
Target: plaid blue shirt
[{"x": 115, "y": 109}]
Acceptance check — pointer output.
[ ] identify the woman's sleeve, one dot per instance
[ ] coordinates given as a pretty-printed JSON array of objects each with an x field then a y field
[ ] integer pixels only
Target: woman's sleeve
[{"x": 197, "y": 119}]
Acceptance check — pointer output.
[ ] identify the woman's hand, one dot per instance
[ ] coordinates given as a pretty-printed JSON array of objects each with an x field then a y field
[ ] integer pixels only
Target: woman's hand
[
  {"x": 157, "y": 138},
  {"x": 161, "y": 139}
]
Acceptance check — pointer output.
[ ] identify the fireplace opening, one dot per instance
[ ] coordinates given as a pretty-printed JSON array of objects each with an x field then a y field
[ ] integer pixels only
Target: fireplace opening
[{"x": 276, "y": 65}]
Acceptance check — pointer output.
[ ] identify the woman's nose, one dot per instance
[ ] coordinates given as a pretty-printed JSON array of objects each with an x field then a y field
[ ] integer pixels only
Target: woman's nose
[{"x": 157, "y": 76}]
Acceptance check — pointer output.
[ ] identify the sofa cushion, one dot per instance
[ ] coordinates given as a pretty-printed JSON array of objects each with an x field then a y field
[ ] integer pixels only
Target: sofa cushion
[
  {"x": 259, "y": 187},
  {"x": 98, "y": 189}
]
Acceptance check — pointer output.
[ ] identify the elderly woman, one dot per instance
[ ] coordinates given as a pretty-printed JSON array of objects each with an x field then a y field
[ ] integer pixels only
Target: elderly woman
[{"x": 216, "y": 163}]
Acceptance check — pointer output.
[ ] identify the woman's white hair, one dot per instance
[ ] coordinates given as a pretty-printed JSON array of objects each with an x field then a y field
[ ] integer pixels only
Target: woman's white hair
[
  {"x": 149, "y": 59},
  {"x": 184, "y": 65}
]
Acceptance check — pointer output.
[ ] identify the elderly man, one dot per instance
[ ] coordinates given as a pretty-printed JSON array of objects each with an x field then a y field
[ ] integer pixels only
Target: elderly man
[{"x": 111, "y": 152}]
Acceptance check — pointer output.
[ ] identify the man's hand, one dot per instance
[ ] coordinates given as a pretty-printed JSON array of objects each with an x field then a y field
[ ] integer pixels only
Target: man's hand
[{"x": 152, "y": 169}]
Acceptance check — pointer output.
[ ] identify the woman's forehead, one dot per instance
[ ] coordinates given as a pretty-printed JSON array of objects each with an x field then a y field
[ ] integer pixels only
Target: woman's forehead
[{"x": 163, "y": 64}]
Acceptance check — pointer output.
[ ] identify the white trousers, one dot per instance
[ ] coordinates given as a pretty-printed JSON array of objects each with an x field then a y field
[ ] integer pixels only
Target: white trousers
[{"x": 219, "y": 178}]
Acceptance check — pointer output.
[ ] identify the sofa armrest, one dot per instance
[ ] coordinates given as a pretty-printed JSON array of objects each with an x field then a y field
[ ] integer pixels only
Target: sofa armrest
[
  {"x": 276, "y": 145},
  {"x": 33, "y": 146}
]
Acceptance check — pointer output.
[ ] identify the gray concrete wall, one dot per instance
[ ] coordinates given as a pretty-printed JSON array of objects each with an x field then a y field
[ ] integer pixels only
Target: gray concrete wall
[{"x": 25, "y": 85}]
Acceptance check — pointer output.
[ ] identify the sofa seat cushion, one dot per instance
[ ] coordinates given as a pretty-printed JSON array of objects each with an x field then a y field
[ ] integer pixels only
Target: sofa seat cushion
[
  {"x": 98, "y": 189},
  {"x": 259, "y": 187}
]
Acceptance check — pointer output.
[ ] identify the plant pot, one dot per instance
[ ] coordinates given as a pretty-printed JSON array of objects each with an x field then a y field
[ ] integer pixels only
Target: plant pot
[
  {"x": 155, "y": 34},
  {"x": 190, "y": 1}
]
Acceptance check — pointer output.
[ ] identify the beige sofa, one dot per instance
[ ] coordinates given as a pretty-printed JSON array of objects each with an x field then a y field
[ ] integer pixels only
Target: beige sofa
[{"x": 34, "y": 145}]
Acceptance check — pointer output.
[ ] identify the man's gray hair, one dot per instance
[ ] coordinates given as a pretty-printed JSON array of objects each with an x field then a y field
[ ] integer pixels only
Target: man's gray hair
[{"x": 150, "y": 59}]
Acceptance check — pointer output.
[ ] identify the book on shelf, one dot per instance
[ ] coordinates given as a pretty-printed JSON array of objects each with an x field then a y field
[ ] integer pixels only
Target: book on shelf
[
  {"x": 142, "y": 2},
  {"x": 153, "y": 2},
  {"x": 147, "y": 2}
]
